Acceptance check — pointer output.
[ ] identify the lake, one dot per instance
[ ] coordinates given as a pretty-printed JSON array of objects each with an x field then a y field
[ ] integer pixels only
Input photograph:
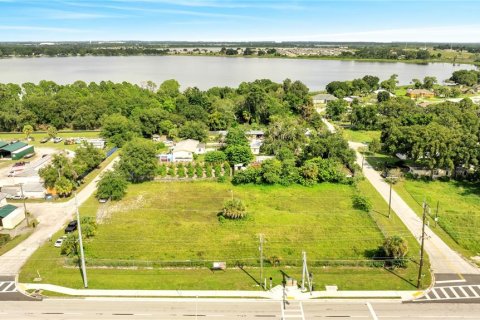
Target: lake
[{"x": 206, "y": 72}]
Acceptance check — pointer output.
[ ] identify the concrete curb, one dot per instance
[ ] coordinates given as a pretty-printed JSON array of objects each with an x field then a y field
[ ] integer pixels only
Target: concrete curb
[{"x": 274, "y": 294}]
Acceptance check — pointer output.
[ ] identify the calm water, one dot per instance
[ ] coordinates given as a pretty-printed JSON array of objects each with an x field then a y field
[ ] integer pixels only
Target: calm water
[{"x": 206, "y": 72}]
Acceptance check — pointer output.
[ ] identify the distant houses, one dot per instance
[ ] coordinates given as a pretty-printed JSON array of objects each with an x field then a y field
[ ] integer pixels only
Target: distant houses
[
  {"x": 183, "y": 151},
  {"x": 10, "y": 215},
  {"x": 420, "y": 93}
]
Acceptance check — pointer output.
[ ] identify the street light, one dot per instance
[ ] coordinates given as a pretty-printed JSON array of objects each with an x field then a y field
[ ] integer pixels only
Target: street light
[{"x": 24, "y": 205}]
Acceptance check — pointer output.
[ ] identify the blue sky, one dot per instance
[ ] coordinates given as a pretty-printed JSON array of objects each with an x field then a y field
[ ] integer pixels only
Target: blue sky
[{"x": 241, "y": 20}]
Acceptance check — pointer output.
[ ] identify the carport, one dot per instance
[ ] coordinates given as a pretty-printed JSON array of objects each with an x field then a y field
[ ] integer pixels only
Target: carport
[{"x": 15, "y": 151}]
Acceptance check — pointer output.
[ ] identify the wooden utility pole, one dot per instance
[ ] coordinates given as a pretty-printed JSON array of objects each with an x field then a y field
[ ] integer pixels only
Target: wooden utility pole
[
  {"x": 82, "y": 255},
  {"x": 305, "y": 273},
  {"x": 424, "y": 216},
  {"x": 436, "y": 213},
  {"x": 24, "y": 205},
  {"x": 390, "y": 200}
]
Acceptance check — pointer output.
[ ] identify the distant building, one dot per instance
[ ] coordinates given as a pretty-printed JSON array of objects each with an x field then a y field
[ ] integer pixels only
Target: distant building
[
  {"x": 419, "y": 93},
  {"x": 15, "y": 150},
  {"x": 255, "y": 134},
  {"x": 183, "y": 151},
  {"x": 323, "y": 98},
  {"x": 255, "y": 146},
  {"x": 97, "y": 143},
  {"x": 11, "y": 216}
]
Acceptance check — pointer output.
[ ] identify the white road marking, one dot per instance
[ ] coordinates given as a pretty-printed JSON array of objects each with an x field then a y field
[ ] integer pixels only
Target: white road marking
[
  {"x": 464, "y": 292},
  {"x": 473, "y": 290},
  {"x": 444, "y": 292},
  {"x": 372, "y": 312},
  {"x": 455, "y": 293},
  {"x": 435, "y": 294},
  {"x": 451, "y": 281},
  {"x": 9, "y": 287}
]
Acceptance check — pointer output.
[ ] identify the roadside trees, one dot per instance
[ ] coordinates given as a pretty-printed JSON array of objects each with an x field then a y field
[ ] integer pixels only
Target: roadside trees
[
  {"x": 396, "y": 249},
  {"x": 118, "y": 129},
  {"x": 112, "y": 185},
  {"x": 52, "y": 132},
  {"x": 138, "y": 160},
  {"x": 27, "y": 131}
]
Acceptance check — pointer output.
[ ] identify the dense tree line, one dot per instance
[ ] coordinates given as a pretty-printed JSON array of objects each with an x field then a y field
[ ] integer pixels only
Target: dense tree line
[
  {"x": 125, "y": 110},
  {"x": 372, "y": 52}
]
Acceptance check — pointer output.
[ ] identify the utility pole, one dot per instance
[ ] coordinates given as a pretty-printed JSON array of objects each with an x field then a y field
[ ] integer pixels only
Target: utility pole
[
  {"x": 436, "y": 213},
  {"x": 390, "y": 200},
  {"x": 261, "y": 257},
  {"x": 24, "y": 204},
  {"x": 419, "y": 279},
  {"x": 82, "y": 255}
]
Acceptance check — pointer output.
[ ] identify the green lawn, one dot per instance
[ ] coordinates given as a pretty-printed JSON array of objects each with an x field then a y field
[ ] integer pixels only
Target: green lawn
[
  {"x": 13, "y": 243},
  {"x": 459, "y": 210},
  {"x": 40, "y": 136},
  {"x": 158, "y": 223},
  {"x": 360, "y": 135}
]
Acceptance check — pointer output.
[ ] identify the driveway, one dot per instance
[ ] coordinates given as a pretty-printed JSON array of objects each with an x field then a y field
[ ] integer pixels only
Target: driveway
[{"x": 52, "y": 217}]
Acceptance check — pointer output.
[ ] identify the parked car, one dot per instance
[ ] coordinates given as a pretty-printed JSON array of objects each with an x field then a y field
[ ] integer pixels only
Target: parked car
[
  {"x": 102, "y": 200},
  {"x": 28, "y": 156},
  {"x": 57, "y": 140},
  {"x": 20, "y": 163},
  {"x": 15, "y": 197},
  {"x": 44, "y": 140},
  {"x": 72, "y": 226},
  {"x": 59, "y": 241}
]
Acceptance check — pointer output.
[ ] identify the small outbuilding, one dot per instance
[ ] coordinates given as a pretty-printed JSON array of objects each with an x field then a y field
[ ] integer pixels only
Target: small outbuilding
[
  {"x": 419, "y": 93},
  {"x": 11, "y": 216},
  {"x": 15, "y": 150}
]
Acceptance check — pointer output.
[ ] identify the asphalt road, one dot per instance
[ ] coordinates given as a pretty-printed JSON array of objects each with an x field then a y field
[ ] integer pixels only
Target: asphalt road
[{"x": 230, "y": 309}]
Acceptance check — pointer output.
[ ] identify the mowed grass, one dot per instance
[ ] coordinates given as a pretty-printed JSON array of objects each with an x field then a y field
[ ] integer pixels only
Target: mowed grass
[
  {"x": 159, "y": 223},
  {"x": 39, "y": 136},
  {"x": 459, "y": 210},
  {"x": 361, "y": 135}
]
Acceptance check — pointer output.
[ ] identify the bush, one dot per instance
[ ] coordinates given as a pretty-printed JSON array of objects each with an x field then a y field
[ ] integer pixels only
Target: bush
[
  {"x": 218, "y": 170},
  {"x": 213, "y": 157},
  {"x": 162, "y": 170},
  {"x": 208, "y": 171},
  {"x": 70, "y": 245},
  {"x": 171, "y": 171},
  {"x": 234, "y": 209},
  {"x": 249, "y": 175},
  {"x": 199, "y": 170},
  {"x": 89, "y": 227},
  {"x": 181, "y": 170},
  {"x": 396, "y": 249},
  {"x": 190, "y": 170},
  {"x": 4, "y": 238},
  {"x": 362, "y": 203}
]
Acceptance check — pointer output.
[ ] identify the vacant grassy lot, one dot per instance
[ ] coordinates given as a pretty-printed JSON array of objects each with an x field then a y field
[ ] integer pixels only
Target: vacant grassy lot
[
  {"x": 459, "y": 209},
  {"x": 159, "y": 223},
  {"x": 49, "y": 144},
  {"x": 361, "y": 135}
]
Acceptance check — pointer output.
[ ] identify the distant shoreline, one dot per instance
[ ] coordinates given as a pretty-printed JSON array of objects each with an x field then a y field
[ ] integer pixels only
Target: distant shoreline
[{"x": 333, "y": 58}]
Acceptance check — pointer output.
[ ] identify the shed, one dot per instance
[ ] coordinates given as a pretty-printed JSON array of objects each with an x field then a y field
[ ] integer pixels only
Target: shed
[
  {"x": 16, "y": 150},
  {"x": 323, "y": 98},
  {"x": 11, "y": 216}
]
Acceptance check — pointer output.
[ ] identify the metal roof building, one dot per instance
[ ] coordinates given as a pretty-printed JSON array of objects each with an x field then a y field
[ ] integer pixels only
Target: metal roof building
[{"x": 15, "y": 151}]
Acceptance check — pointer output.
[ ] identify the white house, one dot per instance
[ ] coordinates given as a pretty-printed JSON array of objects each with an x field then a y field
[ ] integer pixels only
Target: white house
[
  {"x": 255, "y": 146},
  {"x": 255, "y": 134},
  {"x": 323, "y": 98},
  {"x": 97, "y": 143},
  {"x": 183, "y": 151},
  {"x": 11, "y": 216}
]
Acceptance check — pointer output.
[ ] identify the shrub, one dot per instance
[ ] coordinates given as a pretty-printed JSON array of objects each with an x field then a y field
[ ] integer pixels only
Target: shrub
[
  {"x": 190, "y": 170},
  {"x": 234, "y": 209},
  {"x": 70, "y": 245},
  {"x": 213, "y": 157},
  {"x": 208, "y": 171},
  {"x": 162, "y": 170},
  {"x": 396, "y": 249},
  {"x": 362, "y": 203},
  {"x": 171, "y": 171},
  {"x": 4, "y": 238},
  {"x": 199, "y": 170},
  {"x": 218, "y": 170},
  {"x": 112, "y": 185},
  {"x": 181, "y": 170},
  {"x": 249, "y": 175},
  {"x": 89, "y": 226}
]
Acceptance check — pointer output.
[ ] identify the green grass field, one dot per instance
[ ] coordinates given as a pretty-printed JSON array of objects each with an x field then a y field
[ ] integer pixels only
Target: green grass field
[
  {"x": 360, "y": 135},
  {"x": 39, "y": 136},
  {"x": 459, "y": 210},
  {"x": 158, "y": 223}
]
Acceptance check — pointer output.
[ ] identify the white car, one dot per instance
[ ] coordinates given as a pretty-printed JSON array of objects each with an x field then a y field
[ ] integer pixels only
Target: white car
[{"x": 59, "y": 242}]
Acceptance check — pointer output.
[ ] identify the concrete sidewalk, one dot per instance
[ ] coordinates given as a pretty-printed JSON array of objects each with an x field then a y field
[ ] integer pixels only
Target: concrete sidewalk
[{"x": 276, "y": 293}]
